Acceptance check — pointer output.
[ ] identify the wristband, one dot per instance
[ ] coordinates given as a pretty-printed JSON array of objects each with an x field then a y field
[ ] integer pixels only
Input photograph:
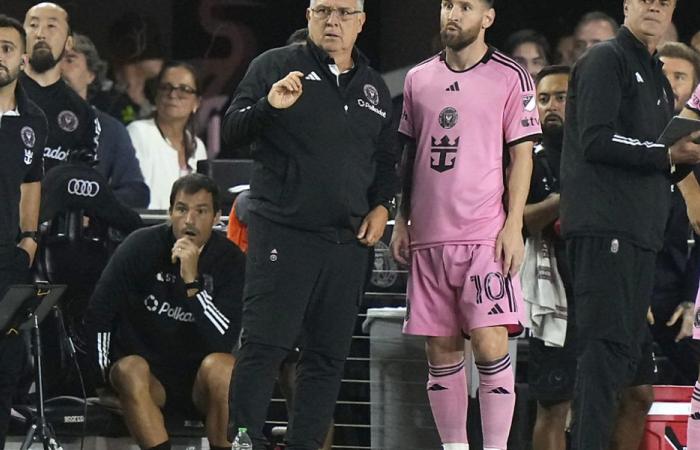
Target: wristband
[
  {"x": 34, "y": 235},
  {"x": 196, "y": 284}
]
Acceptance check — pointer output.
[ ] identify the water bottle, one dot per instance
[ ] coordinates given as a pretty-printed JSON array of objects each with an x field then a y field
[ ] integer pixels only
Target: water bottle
[{"x": 242, "y": 441}]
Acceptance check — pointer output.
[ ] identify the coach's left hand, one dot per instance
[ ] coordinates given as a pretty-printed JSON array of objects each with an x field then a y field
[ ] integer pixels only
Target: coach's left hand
[
  {"x": 510, "y": 246},
  {"x": 372, "y": 227}
]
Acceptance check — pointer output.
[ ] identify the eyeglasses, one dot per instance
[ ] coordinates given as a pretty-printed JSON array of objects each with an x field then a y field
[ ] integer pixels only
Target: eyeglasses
[
  {"x": 181, "y": 90},
  {"x": 324, "y": 12}
]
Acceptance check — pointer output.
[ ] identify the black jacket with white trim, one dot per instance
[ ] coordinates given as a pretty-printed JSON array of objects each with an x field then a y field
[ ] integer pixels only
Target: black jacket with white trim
[
  {"x": 140, "y": 305},
  {"x": 615, "y": 178},
  {"x": 322, "y": 164}
]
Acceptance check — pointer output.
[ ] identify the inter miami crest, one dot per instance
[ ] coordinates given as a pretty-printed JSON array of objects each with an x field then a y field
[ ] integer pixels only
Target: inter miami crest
[
  {"x": 448, "y": 118},
  {"x": 444, "y": 154},
  {"x": 68, "y": 121},
  {"x": 28, "y": 136},
  {"x": 372, "y": 94}
]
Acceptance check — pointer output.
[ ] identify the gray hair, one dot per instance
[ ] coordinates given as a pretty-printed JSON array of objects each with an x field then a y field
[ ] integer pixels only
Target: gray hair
[
  {"x": 83, "y": 44},
  {"x": 360, "y": 4}
]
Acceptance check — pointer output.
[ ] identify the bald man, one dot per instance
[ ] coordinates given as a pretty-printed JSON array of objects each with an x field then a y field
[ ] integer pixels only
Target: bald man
[{"x": 74, "y": 130}]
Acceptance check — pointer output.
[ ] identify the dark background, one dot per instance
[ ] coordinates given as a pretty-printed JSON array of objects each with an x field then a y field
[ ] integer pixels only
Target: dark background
[{"x": 221, "y": 36}]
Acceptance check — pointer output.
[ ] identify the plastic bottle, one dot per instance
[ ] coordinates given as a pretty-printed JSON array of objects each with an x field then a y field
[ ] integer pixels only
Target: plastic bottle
[{"x": 242, "y": 440}]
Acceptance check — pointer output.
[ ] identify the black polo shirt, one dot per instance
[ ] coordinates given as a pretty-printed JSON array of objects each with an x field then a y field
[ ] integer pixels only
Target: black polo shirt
[
  {"x": 22, "y": 140},
  {"x": 73, "y": 124}
]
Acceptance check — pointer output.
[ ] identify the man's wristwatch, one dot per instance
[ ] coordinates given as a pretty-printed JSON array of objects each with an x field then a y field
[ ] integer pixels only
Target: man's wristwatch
[{"x": 34, "y": 235}]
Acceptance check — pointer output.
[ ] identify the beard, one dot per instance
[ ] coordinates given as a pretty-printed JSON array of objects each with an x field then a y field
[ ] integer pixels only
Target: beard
[
  {"x": 42, "y": 59},
  {"x": 459, "y": 41},
  {"x": 8, "y": 76}
]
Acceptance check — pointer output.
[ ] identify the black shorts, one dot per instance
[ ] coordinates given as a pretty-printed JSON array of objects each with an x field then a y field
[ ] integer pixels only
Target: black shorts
[
  {"x": 551, "y": 371},
  {"x": 179, "y": 386},
  {"x": 177, "y": 381}
]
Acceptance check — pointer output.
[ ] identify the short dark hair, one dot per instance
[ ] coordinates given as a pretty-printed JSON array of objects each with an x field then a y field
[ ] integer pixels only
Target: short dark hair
[
  {"x": 597, "y": 16},
  {"x": 682, "y": 51},
  {"x": 298, "y": 37},
  {"x": 525, "y": 36},
  {"x": 552, "y": 70},
  {"x": 11, "y": 22},
  {"x": 193, "y": 183}
]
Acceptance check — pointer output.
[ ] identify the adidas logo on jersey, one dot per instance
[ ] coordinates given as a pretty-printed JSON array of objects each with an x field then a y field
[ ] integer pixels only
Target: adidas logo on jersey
[
  {"x": 454, "y": 87},
  {"x": 313, "y": 77},
  {"x": 695, "y": 416},
  {"x": 496, "y": 310},
  {"x": 499, "y": 390}
]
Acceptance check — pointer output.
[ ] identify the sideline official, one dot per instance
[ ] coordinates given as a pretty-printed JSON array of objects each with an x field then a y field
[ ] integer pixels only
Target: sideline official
[{"x": 614, "y": 203}]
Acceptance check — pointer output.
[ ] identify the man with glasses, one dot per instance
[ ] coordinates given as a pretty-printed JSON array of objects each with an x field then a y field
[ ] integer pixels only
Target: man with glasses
[
  {"x": 74, "y": 130},
  {"x": 322, "y": 185}
]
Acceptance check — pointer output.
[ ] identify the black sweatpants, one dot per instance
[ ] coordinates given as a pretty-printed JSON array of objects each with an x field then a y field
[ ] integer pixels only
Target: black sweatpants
[
  {"x": 612, "y": 284},
  {"x": 298, "y": 285},
  {"x": 13, "y": 350}
]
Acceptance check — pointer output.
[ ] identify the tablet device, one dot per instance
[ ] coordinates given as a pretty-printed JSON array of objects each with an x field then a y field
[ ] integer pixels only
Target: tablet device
[{"x": 678, "y": 128}]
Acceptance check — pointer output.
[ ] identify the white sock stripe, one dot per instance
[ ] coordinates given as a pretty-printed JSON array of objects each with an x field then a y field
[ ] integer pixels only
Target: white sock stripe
[
  {"x": 222, "y": 327},
  {"x": 210, "y": 304}
]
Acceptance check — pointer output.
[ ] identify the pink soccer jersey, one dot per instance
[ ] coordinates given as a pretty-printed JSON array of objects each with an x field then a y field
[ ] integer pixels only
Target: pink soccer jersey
[
  {"x": 694, "y": 102},
  {"x": 461, "y": 122}
]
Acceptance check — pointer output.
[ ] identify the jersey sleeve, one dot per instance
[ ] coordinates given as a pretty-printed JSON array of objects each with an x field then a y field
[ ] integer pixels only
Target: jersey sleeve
[
  {"x": 694, "y": 102},
  {"x": 521, "y": 120},
  {"x": 218, "y": 311},
  {"x": 406, "y": 122},
  {"x": 36, "y": 170}
]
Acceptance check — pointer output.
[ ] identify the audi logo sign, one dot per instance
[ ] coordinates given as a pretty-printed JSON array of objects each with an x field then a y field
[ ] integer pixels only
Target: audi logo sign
[{"x": 83, "y": 188}]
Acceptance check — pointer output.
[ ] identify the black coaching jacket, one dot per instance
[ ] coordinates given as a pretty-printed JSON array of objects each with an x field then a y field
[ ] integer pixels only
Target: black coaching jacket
[
  {"x": 324, "y": 163},
  {"x": 615, "y": 178}
]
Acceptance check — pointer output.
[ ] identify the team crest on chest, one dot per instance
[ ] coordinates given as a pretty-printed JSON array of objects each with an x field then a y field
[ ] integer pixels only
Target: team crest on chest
[
  {"x": 448, "y": 118},
  {"x": 372, "y": 94},
  {"x": 68, "y": 121},
  {"x": 28, "y": 136}
]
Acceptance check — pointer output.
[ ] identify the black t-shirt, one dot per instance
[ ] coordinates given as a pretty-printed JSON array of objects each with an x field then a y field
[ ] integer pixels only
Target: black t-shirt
[
  {"x": 22, "y": 138},
  {"x": 73, "y": 124}
]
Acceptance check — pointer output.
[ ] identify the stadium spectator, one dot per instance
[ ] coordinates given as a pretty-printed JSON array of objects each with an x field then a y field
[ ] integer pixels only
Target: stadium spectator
[
  {"x": 530, "y": 49},
  {"x": 83, "y": 70},
  {"x": 594, "y": 27},
  {"x": 167, "y": 146}
]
